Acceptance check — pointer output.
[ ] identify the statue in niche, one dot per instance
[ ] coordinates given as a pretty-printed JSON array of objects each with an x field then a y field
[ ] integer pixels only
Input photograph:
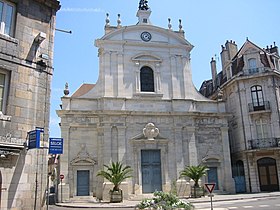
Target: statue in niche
[{"x": 143, "y": 5}]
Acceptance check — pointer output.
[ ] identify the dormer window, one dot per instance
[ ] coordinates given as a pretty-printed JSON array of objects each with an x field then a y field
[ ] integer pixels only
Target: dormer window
[
  {"x": 252, "y": 64},
  {"x": 147, "y": 79}
]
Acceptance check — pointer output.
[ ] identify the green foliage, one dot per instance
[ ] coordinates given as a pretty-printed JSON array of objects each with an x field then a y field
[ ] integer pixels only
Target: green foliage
[
  {"x": 116, "y": 173},
  {"x": 166, "y": 201},
  {"x": 194, "y": 172}
]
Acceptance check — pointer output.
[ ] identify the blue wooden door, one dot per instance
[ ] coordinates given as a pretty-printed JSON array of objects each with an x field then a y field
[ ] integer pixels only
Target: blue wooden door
[
  {"x": 151, "y": 171},
  {"x": 212, "y": 175},
  {"x": 83, "y": 183}
]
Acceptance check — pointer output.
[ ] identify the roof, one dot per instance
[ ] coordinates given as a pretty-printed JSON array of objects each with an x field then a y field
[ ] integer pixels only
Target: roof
[{"x": 83, "y": 89}]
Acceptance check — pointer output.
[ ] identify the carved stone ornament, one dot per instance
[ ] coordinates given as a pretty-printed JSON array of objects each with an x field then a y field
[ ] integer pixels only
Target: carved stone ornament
[
  {"x": 150, "y": 131},
  {"x": 83, "y": 157}
]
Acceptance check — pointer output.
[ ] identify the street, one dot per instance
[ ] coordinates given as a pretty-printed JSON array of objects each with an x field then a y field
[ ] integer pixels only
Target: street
[{"x": 271, "y": 203}]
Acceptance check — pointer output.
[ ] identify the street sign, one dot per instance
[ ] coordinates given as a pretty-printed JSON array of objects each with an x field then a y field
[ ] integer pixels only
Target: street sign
[
  {"x": 210, "y": 187},
  {"x": 34, "y": 138},
  {"x": 61, "y": 176},
  {"x": 56, "y": 146}
]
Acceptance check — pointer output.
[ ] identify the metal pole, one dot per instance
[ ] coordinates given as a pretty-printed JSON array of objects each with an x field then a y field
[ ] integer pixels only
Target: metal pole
[
  {"x": 61, "y": 190},
  {"x": 48, "y": 193},
  {"x": 211, "y": 202}
]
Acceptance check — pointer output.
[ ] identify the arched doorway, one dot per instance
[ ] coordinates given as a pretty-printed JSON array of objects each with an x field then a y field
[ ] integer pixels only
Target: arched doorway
[{"x": 268, "y": 176}]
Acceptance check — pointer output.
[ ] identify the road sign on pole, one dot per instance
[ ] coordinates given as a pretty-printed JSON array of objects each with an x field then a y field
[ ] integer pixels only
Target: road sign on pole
[{"x": 210, "y": 187}]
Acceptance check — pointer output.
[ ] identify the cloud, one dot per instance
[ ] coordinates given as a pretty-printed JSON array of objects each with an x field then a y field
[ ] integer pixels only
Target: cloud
[{"x": 71, "y": 9}]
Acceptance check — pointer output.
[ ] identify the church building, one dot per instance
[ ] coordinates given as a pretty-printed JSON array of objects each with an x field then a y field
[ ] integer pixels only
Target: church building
[{"x": 143, "y": 111}]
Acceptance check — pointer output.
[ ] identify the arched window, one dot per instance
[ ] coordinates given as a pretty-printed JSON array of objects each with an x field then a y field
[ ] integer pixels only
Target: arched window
[
  {"x": 147, "y": 79},
  {"x": 257, "y": 97}
]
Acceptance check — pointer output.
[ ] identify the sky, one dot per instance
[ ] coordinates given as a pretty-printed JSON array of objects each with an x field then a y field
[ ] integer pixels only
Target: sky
[{"x": 208, "y": 24}]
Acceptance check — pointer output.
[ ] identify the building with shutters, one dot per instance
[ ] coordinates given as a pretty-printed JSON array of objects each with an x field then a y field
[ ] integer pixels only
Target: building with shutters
[
  {"x": 26, "y": 67},
  {"x": 249, "y": 85},
  {"x": 145, "y": 112}
]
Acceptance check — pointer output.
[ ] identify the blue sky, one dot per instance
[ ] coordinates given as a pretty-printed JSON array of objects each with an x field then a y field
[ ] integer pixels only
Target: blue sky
[{"x": 207, "y": 25}]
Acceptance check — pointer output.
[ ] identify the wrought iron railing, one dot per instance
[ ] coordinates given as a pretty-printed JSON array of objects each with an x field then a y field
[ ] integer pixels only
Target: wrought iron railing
[
  {"x": 256, "y": 70},
  {"x": 264, "y": 143},
  {"x": 259, "y": 107}
]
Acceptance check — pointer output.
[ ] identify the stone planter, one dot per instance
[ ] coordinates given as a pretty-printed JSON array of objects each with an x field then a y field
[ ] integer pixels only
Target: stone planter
[
  {"x": 197, "y": 192},
  {"x": 116, "y": 196}
]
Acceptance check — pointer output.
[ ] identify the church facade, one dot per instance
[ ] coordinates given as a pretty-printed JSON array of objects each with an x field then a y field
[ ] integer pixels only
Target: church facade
[{"x": 143, "y": 111}]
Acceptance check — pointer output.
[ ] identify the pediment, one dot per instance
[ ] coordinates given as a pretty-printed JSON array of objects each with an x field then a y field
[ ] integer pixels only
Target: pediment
[
  {"x": 83, "y": 161},
  {"x": 146, "y": 57},
  {"x": 131, "y": 35}
]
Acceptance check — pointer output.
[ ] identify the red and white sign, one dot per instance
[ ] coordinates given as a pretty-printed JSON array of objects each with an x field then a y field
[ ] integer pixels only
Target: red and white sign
[
  {"x": 210, "y": 187},
  {"x": 61, "y": 176}
]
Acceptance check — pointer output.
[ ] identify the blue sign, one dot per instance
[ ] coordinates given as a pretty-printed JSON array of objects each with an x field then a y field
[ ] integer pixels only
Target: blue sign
[
  {"x": 56, "y": 146},
  {"x": 34, "y": 139}
]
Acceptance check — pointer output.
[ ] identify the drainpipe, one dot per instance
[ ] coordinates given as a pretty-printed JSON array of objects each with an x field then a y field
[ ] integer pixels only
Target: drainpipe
[{"x": 245, "y": 140}]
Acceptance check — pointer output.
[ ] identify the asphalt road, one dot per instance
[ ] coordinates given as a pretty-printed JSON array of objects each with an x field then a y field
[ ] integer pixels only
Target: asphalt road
[{"x": 271, "y": 203}]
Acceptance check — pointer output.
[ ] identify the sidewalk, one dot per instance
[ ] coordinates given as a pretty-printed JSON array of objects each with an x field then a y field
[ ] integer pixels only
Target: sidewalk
[{"x": 93, "y": 203}]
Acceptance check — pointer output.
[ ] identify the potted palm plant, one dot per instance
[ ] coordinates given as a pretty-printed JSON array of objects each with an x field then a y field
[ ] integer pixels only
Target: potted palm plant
[
  {"x": 116, "y": 173},
  {"x": 195, "y": 173}
]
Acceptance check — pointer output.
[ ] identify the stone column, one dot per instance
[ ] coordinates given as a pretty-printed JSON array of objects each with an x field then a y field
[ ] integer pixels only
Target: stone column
[
  {"x": 121, "y": 86},
  {"x": 108, "y": 78},
  {"x": 192, "y": 146},
  {"x": 179, "y": 149},
  {"x": 157, "y": 78},
  {"x": 137, "y": 77},
  {"x": 174, "y": 80},
  {"x": 228, "y": 181}
]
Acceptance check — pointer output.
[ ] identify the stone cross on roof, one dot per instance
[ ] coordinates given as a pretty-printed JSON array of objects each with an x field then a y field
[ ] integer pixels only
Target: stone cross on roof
[{"x": 143, "y": 5}]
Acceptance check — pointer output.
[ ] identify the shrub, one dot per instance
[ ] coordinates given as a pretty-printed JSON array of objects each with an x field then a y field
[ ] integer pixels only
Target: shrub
[{"x": 164, "y": 201}]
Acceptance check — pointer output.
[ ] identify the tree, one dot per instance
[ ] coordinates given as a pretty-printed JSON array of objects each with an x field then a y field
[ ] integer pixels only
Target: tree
[
  {"x": 194, "y": 172},
  {"x": 116, "y": 173}
]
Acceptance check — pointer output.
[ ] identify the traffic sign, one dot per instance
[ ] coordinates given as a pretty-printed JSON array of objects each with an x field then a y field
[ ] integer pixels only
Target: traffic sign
[
  {"x": 210, "y": 187},
  {"x": 61, "y": 176}
]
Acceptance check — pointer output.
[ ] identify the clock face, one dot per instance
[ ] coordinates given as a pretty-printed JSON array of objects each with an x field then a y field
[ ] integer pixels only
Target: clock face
[{"x": 146, "y": 36}]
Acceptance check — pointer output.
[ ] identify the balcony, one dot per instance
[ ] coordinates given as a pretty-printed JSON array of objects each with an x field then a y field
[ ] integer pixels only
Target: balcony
[
  {"x": 265, "y": 106},
  {"x": 251, "y": 71},
  {"x": 264, "y": 143}
]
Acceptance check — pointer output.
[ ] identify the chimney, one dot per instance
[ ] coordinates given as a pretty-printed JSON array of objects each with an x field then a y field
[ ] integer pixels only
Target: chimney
[
  {"x": 232, "y": 49},
  {"x": 214, "y": 72}
]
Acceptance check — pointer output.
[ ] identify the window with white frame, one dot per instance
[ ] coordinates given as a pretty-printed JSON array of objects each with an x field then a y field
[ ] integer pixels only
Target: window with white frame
[
  {"x": 7, "y": 15},
  {"x": 262, "y": 129},
  {"x": 4, "y": 79},
  {"x": 252, "y": 65},
  {"x": 257, "y": 96}
]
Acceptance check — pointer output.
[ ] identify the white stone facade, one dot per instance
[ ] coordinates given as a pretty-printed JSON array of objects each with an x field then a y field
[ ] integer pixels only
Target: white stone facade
[{"x": 104, "y": 122}]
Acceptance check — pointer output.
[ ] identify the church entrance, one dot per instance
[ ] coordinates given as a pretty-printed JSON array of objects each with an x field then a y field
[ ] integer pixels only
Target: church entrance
[
  {"x": 268, "y": 174},
  {"x": 83, "y": 183},
  {"x": 151, "y": 171}
]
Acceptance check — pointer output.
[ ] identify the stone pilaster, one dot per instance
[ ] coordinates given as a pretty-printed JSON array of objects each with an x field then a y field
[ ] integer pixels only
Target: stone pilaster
[
  {"x": 192, "y": 146},
  {"x": 227, "y": 173}
]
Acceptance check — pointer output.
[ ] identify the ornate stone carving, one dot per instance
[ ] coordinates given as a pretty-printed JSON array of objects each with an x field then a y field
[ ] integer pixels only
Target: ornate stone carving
[
  {"x": 83, "y": 157},
  {"x": 9, "y": 139},
  {"x": 150, "y": 131}
]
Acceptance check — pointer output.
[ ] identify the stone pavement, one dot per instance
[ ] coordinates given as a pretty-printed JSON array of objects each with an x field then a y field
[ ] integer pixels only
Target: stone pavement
[{"x": 90, "y": 202}]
